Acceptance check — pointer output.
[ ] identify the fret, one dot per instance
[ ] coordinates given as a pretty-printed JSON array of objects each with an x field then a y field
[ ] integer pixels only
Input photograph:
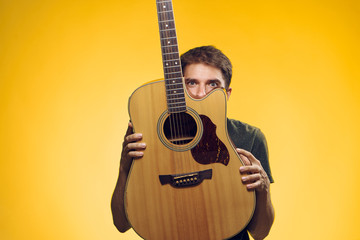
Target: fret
[
  {"x": 174, "y": 92},
  {"x": 179, "y": 73},
  {"x": 176, "y": 73},
  {"x": 166, "y": 20},
  {"x": 170, "y": 60},
  {"x": 174, "y": 58},
  {"x": 169, "y": 83},
  {"x": 168, "y": 79},
  {"x": 177, "y": 110},
  {"x": 179, "y": 107},
  {"x": 165, "y": 11},
  {"x": 163, "y": 2},
  {"x": 166, "y": 38},
  {"x": 170, "y": 86},
  {"x": 169, "y": 67},
  {"x": 172, "y": 53},
  {"x": 163, "y": 30},
  {"x": 177, "y": 104},
  {"x": 175, "y": 96},
  {"x": 170, "y": 46}
]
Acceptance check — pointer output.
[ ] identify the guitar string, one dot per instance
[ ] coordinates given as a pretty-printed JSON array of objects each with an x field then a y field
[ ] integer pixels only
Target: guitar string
[
  {"x": 179, "y": 131},
  {"x": 172, "y": 122}
]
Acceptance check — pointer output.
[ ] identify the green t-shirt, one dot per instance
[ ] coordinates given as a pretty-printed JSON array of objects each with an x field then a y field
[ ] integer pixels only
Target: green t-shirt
[{"x": 253, "y": 140}]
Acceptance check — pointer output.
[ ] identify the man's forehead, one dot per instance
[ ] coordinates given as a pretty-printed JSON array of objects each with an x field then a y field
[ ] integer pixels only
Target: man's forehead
[{"x": 203, "y": 71}]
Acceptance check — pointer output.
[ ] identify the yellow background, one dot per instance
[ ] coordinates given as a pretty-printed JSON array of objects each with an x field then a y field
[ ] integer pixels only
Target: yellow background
[{"x": 67, "y": 69}]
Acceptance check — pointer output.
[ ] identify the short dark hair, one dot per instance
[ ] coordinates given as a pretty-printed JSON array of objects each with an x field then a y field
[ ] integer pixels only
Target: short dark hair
[{"x": 211, "y": 56}]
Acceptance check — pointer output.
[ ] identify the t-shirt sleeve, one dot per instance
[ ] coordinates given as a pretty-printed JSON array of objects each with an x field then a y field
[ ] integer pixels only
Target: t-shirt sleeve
[{"x": 260, "y": 151}]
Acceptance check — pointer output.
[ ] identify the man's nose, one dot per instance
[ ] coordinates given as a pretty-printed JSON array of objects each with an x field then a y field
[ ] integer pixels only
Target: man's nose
[{"x": 200, "y": 92}]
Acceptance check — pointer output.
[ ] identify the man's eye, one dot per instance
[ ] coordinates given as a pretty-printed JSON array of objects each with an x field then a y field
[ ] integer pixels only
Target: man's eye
[
  {"x": 191, "y": 83},
  {"x": 213, "y": 84}
]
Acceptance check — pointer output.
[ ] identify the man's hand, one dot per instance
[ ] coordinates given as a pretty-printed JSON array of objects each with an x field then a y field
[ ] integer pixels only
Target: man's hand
[
  {"x": 132, "y": 149},
  {"x": 256, "y": 178}
]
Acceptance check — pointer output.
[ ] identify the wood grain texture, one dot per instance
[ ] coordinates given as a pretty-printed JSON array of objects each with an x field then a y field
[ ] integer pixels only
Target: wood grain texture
[{"x": 218, "y": 208}]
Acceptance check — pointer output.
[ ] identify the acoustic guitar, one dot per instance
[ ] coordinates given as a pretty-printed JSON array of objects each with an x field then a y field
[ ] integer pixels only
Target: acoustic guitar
[{"x": 187, "y": 186}]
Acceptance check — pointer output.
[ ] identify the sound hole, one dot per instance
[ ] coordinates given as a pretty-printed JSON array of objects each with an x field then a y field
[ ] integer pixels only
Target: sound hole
[{"x": 180, "y": 128}]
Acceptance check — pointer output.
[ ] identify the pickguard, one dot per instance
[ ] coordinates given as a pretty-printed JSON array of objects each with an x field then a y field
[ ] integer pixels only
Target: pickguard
[{"x": 210, "y": 148}]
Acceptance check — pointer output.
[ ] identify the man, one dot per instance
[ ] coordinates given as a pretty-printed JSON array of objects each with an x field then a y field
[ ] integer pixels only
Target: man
[{"x": 205, "y": 69}]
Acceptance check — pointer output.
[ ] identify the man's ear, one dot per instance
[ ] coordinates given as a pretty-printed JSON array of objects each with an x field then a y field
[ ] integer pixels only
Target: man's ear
[{"x": 228, "y": 92}]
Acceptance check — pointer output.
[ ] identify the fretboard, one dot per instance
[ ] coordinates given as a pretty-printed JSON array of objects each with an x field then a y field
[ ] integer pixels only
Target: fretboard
[{"x": 171, "y": 59}]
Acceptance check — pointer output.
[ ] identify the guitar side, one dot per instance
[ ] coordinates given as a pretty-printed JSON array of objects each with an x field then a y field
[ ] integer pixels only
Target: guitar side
[{"x": 217, "y": 208}]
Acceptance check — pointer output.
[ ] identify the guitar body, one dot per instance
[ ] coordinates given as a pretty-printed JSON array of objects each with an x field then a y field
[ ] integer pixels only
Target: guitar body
[{"x": 185, "y": 188}]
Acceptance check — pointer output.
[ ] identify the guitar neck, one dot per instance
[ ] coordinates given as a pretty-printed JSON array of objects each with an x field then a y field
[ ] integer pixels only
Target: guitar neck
[{"x": 171, "y": 59}]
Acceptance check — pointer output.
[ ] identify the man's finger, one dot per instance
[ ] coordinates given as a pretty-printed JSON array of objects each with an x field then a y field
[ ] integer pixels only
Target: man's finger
[
  {"x": 133, "y": 138},
  {"x": 247, "y": 154},
  {"x": 245, "y": 160},
  {"x": 129, "y": 129}
]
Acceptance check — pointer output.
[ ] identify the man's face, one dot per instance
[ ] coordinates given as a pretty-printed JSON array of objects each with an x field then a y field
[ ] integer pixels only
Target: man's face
[{"x": 200, "y": 79}]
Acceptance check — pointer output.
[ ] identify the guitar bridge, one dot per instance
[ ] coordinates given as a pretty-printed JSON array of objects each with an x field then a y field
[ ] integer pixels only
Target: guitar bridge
[{"x": 186, "y": 179}]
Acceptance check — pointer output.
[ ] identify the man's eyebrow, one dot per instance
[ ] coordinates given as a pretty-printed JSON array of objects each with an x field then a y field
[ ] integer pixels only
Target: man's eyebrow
[
  {"x": 214, "y": 80},
  {"x": 190, "y": 79}
]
